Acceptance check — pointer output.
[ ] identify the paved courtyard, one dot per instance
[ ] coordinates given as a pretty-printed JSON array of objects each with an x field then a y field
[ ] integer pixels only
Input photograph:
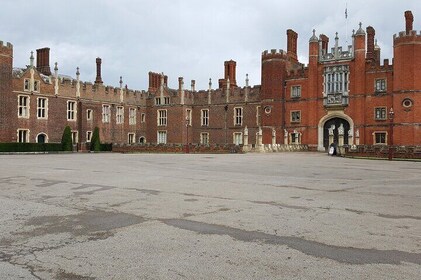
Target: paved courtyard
[{"x": 166, "y": 216}]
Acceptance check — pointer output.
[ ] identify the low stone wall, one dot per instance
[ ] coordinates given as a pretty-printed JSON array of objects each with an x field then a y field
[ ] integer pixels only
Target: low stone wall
[
  {"x": 269, "y": 148},
  {"x": 176, "y": 148},
  {"x": 382, "y": 151}
]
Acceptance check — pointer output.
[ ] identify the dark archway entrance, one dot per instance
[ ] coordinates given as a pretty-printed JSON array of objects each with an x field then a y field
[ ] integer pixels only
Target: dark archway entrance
[
  {"x": 41, "y": 138},
  {"x": 336, "y": 122}
]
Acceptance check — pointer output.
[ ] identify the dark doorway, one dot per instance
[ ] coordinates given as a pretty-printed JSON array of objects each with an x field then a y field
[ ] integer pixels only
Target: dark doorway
[
  {"x": 336, "y": 122},
  {"x": 41, "y": 138}
]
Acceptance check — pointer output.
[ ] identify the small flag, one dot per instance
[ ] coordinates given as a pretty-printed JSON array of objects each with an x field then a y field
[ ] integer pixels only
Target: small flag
[{"x": 346, "y": 12}]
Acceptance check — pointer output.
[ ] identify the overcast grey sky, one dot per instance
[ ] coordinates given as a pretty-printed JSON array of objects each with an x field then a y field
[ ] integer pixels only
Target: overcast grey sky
[{"x": 188, "y": 38}]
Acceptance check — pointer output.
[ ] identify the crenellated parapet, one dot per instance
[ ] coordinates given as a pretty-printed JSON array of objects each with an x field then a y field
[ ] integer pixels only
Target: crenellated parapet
[
  {"x": 404, "y": 37},
  {"x": 6, "y": 49},
  {"x": 218, "y": 96},
  {"x": 274, "y": 54}
]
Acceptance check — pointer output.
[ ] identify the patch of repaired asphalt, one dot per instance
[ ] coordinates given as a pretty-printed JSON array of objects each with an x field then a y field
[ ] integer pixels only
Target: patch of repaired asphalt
[
  {"x": 94, "y": 188},
  {"x": 85, "y": 223},
  {"x": 347, "y": 255}
]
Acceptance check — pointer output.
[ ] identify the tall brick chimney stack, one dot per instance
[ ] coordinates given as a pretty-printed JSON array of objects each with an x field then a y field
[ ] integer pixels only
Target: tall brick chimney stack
[
  {"x": 409, "y": 19},
  {"x": 292, "y": 37},
  {"x": 370, "y": 42},
  {"x": 325, "y": 42},
  {"x": 43, "y": 61},
  {"x": 98, "y": 79},
  {"x": 229, "y": 74}
]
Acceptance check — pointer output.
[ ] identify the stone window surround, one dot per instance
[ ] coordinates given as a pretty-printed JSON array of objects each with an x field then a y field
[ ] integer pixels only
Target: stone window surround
[
  {"x": 18, "y": 136},
  {"x": 385, "y": 137},
  {"x": 238, "y": 116},
  {"x": 106, "y": 113},
  {"x": 204, "y": 117},
  {"x": 71, "y": 110},
  {"x": 203, "y": 136},
  {"x": 44, "y": 108},
  {"x": 380, "y": 113},
  {"x": 162, "y": 117},
  {"x": 295, "y": 119},
  {"x": 119, "y": 115}
]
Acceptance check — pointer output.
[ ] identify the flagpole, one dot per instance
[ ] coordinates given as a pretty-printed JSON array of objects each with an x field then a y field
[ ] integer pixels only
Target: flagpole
[{"x": 346, "y": 23}]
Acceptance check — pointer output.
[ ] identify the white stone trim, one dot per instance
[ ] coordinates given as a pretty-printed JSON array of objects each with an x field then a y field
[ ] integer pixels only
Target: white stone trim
[
  {"x": 46, "y": 137},
  {"x": 324, "y": 119}
]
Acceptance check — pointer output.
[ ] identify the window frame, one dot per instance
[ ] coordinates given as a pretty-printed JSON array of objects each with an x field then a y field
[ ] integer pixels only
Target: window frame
[
  {"x": 89, "y": 114},
  {"x": 204, "y": 136},
  {"x": 36, "y": 85},
  {"x": 189, "y": 116},
  {"x": 88, "y": 136},
  {"x": 382, "y": 113},
  {"x": 238, "y": 116},
  {"x": 158, "y": 101},
  {"x": 26, "y": 85},
  {"x": 204, "y": 116},
  {"x": 43, "y": 109},
  {"x": 24, "y": 110},
  {"x": 132, "y": 116},
  {"x": 19, "y": 138},
  {"x": 131, "y": 138},
  {"x": 71, "y": 110},
  {"x": 293, "y": 116},
  {"x": 383, "y": 85},
  {"x": 162, "y": 117},
  {"x": 158, "y": 138},
  {"x": 296, "y": 91},
  {"x": 119, "y": 115},
  {"x": 234, "y": 138},
  {"x": 106, "y": 113},
  {"x": 75, "y": 136},
  {"x": 376, "y": 133}
]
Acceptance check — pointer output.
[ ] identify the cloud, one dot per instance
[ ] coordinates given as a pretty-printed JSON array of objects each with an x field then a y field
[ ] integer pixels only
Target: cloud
[{"x": 185, "y": 37}]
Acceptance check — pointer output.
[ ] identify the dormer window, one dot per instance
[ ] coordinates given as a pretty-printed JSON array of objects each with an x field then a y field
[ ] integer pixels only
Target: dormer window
[
  {"x": 36, "y": 86},
  {"x": 26, "y": 85}
]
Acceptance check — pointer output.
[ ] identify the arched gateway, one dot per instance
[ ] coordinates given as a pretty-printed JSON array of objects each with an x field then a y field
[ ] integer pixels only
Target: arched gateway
[
  {"x": 330, "y": 125},
  {"x": 333, "y": 126}
]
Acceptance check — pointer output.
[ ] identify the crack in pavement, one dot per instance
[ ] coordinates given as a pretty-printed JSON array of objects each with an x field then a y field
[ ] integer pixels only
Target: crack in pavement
[{"x": 316, "y": 249}]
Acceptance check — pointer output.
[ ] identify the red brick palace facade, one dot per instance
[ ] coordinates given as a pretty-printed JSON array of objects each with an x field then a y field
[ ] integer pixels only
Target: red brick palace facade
[{"x": 344, "y": 95}]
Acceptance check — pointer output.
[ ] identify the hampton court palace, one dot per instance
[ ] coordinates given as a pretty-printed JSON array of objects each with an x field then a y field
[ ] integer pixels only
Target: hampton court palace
[{"x": 344, "y": 95}]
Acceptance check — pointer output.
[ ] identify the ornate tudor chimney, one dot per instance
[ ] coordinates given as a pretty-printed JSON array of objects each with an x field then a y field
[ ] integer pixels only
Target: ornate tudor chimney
[
  {"x": 370, "y": 42},
  {"x": 98, "y": 79},
  {"x": 324, "y": 41},
  {"x": 409, "y": 19},
  {"x": 43, "y": 61},
  {"x": 292, "y": 37}
]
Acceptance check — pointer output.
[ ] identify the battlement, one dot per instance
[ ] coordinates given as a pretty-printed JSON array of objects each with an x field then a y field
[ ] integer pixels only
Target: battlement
[
  {"x": 8, "y": 45},
  {"x": 274, "y": 54},
  {"x": 404, "y": 37}
]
